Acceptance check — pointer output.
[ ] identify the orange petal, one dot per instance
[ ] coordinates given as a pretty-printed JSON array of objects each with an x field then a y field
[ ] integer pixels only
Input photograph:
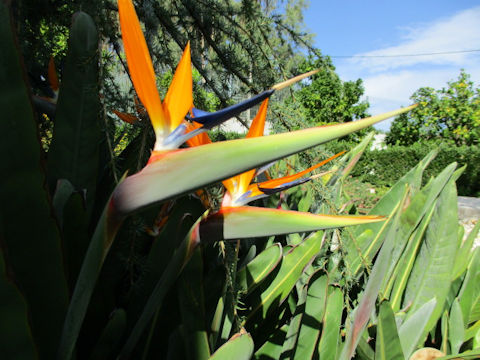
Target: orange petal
[
  {"x": 271, "y": 184},
  {"x": 258, "y": 124},
  {"x": 140, "y": 65},
  {"x": 128, "y": 118},
  {"x": 200, "y": 139},
  {"x": 139, "y": 107},
  {"x": 179, "y": 98},
  {"x": 52, "y": 74},
  {"x": 255, "y": 191},
  {"x": 256, "y": 129}
]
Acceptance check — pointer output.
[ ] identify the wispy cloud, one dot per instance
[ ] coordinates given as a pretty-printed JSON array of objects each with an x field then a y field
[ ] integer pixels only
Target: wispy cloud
[
  {"x": 458, "y": 32},
  {"x": 390, "y": 81}
]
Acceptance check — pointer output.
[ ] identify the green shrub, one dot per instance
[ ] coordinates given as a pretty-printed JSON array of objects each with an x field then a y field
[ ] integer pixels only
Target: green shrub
[{"x": 385, "y": 167}]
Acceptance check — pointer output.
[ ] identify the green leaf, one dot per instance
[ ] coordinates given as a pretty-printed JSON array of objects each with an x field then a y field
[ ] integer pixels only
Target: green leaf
[
  {"x": 73, "y": 153},
  {"x": 470, "y": 290},
  {"x": 471, "y": 331},
  {"x": 248, "y": 221},
  {"x": 464, "y": 252},
  {"x": 163, "y": 247},
  {"x": 349, "y": 160},
  {"x": 364, "y": 351},
  {"x": 16, "y": 341},
  {"x": 239, "y": 347},
  {"x": 474, "y": 311},
  {"x": 111, "y": 336},
  {"x": 444, "y": 328},
  {"x": 332, "y": 320},
  {"x": 272, "y": 348},
  {"x": 456, "y": 327},
  {"x": 420, "y": 204},
  {"x": 369, "y": 237},
  {"x": 291, "y": 269},
  {"x": 29, "y": 235},
  {"x": 413, "y": 328},
  {"x": 291, "y": 339},
  {"x": 175, "y": 266},
  {"x": 63, "y": 191},
  {"x": 388, "y": 345},
  {"x": 467, "y": 355},
  {"x": 97, "y": 250},
  {"x": 312, "y": 320},
  {"x": 192, "y": 308},
  {"x": 432, "y": 271},
  {"x": 165, "y": 178},
  {"x": 366, "y": 305},
  {"x": 402, "y": 272},
  {"x": 251, "y": 275}
]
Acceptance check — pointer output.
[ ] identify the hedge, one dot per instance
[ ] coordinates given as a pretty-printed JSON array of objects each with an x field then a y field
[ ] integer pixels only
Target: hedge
[{"x": 385, "y": 167}]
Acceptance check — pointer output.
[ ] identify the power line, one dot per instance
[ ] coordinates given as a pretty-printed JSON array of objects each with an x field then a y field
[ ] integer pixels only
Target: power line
[{"x": 405, "y": 55}]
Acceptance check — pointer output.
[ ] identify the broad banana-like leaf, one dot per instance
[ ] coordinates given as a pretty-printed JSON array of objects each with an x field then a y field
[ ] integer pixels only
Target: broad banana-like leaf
[
  {"x": 111, "y": 336},
  {"x": 314, "y": 311},
  {"x": 179, "y": 259},
  {"x": 456, "y": 327},
  {"x": 173, "y": 173},
  {"x": 470, "y": 290},
  {"x": 16, "y": 340},
  {"x": 472, "y": 331},
  {"x": 239, "y": 347},
  {"x": 251, "y": 275},
  {"x": 272, "y": 348},
  {"x": 367, "y": 302},
  {"x": 291, "y": 339},
  {"x": 402, "y": 273},
  {"x": 388, "y": 345},
  {"x": 432, "y": 271},
  {"x": 332, "y": 320},
  {"x": 192, "y": 308},
  {"x": 364, "y": 350},
  {"x": 29, "y": 235},
  {"x": 291, "y": 269},
  {"x": 248, "y": 221},
  {"x": 420, "y": 203},
  {"x": 412, "y": 329},
  {"x": 369, "y": 237},
  {"x": 464, "y": 252},
  {"x": 63, "y": 191}
]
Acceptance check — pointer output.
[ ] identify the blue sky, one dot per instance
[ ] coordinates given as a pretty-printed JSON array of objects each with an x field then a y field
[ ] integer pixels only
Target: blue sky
[{"x": 367, "y": 27}]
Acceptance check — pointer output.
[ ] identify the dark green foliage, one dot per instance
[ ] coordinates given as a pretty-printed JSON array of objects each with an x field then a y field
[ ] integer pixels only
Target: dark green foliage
[
  {"x": 323, "y": 99},
  {"x": 326, "y": 99},
  {"x": 377, "y": 167}
]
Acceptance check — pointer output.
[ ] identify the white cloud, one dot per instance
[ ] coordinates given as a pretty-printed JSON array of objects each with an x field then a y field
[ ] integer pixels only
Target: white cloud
[
  {"x": 390, "y": 90},
  {"x": 389, "y": 82},
  {"x": 458, "y": 32}
]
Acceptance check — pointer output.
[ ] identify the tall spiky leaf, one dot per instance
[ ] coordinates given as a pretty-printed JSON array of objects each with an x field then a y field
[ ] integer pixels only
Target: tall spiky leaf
[
  {"x": 28, "y": 233},
  {"x": 73, "y": 154}
]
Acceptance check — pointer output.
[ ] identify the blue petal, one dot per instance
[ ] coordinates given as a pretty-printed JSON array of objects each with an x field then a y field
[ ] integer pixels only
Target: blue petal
[
  {"x": 270, "y": 191},
  {"x": 210, "y": 120},
  {"x": 199, "y": 113}
]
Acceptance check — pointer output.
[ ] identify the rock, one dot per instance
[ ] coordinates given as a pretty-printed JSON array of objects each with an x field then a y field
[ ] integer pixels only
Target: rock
[
  {"x": 426, "y": 354},
  {"x": 469, "y": 215}
]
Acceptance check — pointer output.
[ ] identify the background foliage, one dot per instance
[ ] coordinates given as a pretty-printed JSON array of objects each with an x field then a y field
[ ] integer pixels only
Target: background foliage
[{"x": 449, "y": 114}]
